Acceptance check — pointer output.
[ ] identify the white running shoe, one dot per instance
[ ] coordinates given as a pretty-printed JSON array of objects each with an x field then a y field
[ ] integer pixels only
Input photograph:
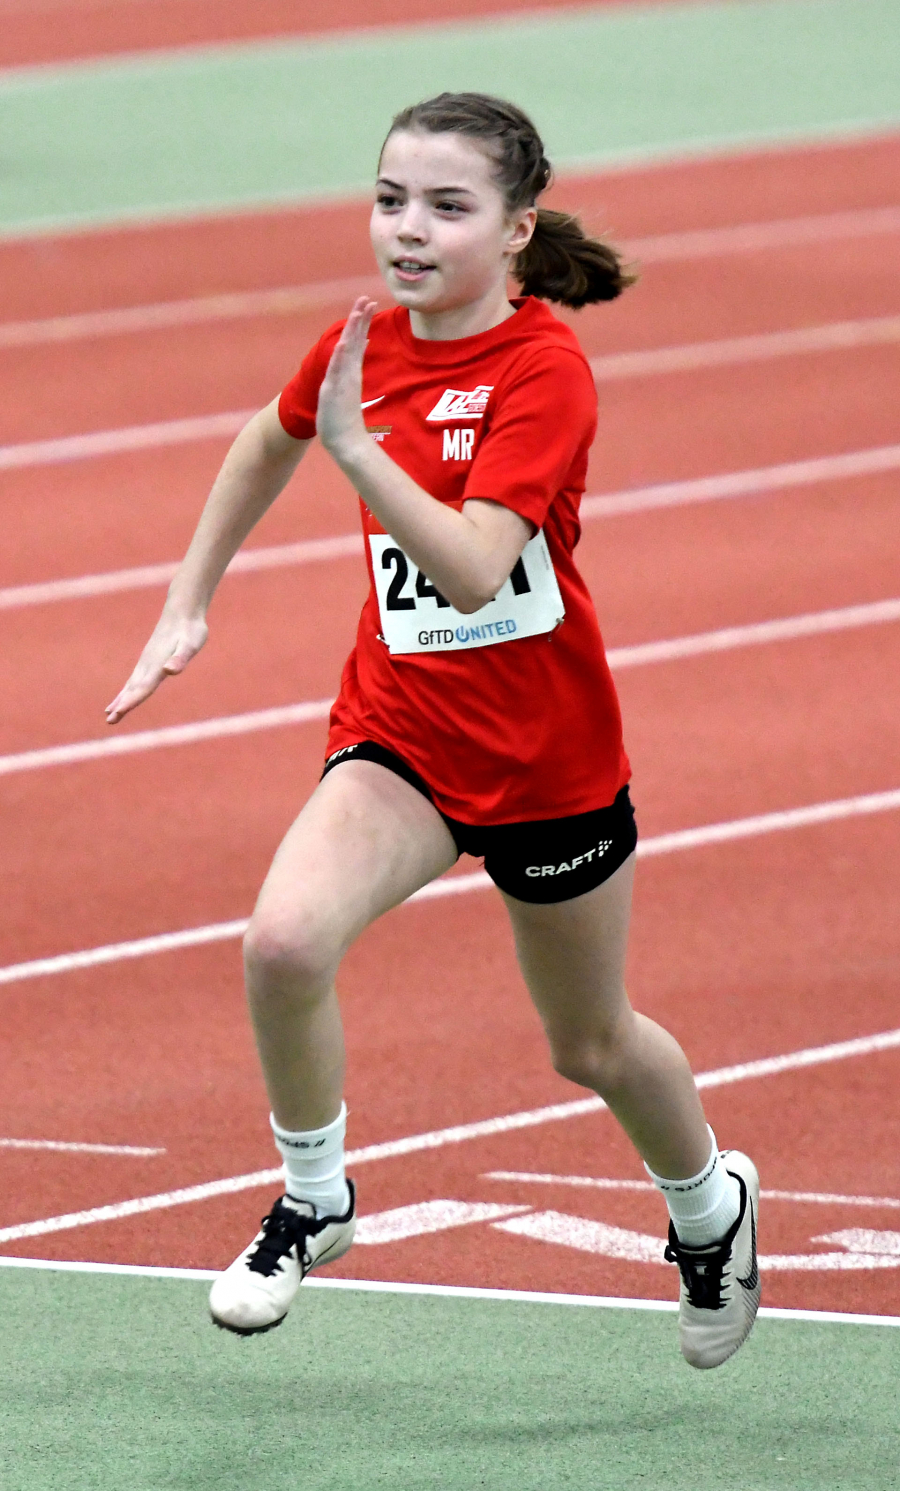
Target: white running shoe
[
  {"x": 720, "y": 1282},
  {"x": 255, "y": 1291}
]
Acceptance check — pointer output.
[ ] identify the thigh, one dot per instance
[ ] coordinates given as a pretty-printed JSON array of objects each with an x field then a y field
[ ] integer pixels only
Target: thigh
[
  {"x": 364, "y": 842},
  {"x": 572, "y": 956}
]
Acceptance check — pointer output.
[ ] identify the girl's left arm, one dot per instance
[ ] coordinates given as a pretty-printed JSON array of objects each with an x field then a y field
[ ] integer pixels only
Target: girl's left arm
[{"x": 467, "y": 555}]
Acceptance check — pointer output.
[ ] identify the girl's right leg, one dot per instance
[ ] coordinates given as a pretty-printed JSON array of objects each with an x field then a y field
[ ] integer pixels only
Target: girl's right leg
[{"x": 365, "y": 841}]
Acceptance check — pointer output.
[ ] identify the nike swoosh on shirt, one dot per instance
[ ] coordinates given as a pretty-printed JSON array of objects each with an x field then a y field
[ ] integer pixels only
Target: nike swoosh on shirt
[{"x": 369, "y": 402}]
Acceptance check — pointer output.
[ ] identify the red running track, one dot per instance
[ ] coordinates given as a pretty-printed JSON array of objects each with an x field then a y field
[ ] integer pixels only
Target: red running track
[
  {"x": 745, "y": 950},
  {"x": 33, "y": 31}
]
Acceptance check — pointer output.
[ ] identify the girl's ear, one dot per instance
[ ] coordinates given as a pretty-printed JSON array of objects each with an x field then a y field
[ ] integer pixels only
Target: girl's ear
[{"x": 522, "y": 229}]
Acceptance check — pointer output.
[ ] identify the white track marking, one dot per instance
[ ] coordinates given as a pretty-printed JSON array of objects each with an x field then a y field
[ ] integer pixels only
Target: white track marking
[
  {"x": 170, "y": 735},
  {"x": 599, "y": 1183},
  {"x": 427, "y": 1216},
  {"x": 129, "y": 1149},
  {"x": 824, "y": 1262},
  {"x": 825, "y": 1198},
  {"x": 864, "y": 1240},
  {"x": 837, "y": 336},
  {"x": 141, "y": 1205},
  {"x": 639, "y": 1247},
  {"x": 441, "y": 1291},
  {"x": 742, "y": 238},
  {"x": 284, "y": 300},
  {"x": 755, "y": 634},
  {"x": 766, "y": 823},
  {"x": 752, "y": 483},
  {"x": 248, "y": 561},
  {"x": 67, "y": 448},
  {"x": 689, "y": 838},
  {"x": 729, "y": 351},
  {"x": 439, "y": 1138},
  {"x": 586, "y": 1235},
  {"x": 288, "y": 300},
  {"x": 729, "y": 485}
]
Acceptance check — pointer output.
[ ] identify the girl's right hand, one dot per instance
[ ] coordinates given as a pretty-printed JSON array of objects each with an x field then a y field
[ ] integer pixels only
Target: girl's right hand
[{"x": 174, "y": 642}]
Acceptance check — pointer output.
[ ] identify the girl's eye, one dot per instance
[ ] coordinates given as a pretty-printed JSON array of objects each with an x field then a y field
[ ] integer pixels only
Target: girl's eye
[
  {"x": 450, "y": 207},
  {"x": 387, "y": 200}
]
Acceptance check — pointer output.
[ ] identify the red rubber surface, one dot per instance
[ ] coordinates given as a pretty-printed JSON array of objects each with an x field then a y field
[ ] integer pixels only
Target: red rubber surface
[
  {"x": 59, "y": 30},
  {"x": 744, "y": 950}
]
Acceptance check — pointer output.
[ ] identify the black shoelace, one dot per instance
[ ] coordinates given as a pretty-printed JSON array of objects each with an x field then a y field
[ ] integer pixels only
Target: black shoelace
[
  {"x": 282, "y": 1229},
  {"x": 701, "y": 1270}
]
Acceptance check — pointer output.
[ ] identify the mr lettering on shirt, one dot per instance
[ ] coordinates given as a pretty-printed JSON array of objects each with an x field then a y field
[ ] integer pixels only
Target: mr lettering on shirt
[{"x": 458, "y": 444}]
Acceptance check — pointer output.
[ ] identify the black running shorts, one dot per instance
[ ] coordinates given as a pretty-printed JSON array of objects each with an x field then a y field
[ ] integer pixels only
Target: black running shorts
[{"x": 553, "y": 859}]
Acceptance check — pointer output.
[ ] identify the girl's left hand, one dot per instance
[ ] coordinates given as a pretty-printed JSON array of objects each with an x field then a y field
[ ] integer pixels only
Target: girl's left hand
[{"x": 339, "y": 421}]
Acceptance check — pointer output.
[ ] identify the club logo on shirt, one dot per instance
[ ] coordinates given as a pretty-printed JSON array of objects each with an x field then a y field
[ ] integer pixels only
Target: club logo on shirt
[{"x": 455, "y": 403}]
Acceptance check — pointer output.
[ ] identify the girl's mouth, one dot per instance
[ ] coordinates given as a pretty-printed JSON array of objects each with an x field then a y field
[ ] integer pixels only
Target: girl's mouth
[{"x": 411, "y": 271}]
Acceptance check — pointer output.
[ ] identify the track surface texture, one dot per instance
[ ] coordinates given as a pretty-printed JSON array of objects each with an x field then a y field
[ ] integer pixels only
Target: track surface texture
[{"x": 746, "y": 949}]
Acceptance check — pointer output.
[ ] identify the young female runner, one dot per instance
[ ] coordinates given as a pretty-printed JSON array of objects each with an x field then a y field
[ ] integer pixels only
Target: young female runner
[{"x": 476, "y": 713}]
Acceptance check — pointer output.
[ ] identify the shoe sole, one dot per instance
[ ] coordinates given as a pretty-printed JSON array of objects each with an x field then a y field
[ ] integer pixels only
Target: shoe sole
[{"x": 246, "y": 1330}]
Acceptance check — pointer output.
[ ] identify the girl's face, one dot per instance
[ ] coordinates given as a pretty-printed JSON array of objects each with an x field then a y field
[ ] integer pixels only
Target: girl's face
[{"x": 440, "y": 229}]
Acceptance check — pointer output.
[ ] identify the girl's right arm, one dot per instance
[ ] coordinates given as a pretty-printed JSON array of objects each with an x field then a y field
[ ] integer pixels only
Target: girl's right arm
[{"x": 257, "y": 467}]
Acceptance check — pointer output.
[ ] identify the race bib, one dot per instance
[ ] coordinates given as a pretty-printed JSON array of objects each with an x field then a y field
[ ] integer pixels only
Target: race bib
[{"x": 415, "y": 617}]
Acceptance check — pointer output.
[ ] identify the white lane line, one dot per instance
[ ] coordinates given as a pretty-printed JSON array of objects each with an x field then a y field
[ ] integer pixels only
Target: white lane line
[
  {"x": 440, "y": 1291},
  {"x": 439, "y": 1138},
  {"x": 824, "y": 1198},
  {"x": 248, "y": 561},
  {"x": 751, "y": 483},
  {"x": 425, "y": 1217},
  {"x": 132, "y": 437},
  {"x": 742, "y": 238},
  {"x": 765, "y": 823},
  {"x": 453, "y": 885},
  {"x": 170, "y": 735},
  {"x": 586, "y": 1235},
  {"x": 286, "y": 300},
  {"x": 864, "y": 1240},
  {"x": 838, "y": 336},
  {"x": 607, "y": 1241},
  {"x": 65, "y": 1145},
  {"x": 283, "y": 300},
  {"x": 731, "y": 484},
  {"x": 764, "y": 346},
  {"x": 755, "y": 634}
]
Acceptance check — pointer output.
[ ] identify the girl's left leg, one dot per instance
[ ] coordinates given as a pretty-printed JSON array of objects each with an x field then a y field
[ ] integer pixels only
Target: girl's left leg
[{"x": 572, "y": 955}]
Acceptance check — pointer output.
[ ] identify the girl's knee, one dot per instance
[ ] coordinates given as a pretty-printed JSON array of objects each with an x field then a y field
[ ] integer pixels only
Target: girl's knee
[
  {"x": 596, "y": 1062},
  {"x": 295, "y": 952}
]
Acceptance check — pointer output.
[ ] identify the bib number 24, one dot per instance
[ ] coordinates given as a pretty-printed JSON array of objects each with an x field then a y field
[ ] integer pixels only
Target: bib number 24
[{"x": 415, "y": 617}]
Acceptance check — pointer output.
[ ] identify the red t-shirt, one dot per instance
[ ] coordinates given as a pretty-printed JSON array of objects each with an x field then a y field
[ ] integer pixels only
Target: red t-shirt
[{"x": 526, "y": 727}]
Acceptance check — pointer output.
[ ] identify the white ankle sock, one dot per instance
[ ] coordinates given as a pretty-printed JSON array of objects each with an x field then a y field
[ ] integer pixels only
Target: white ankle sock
[
  {"x": 703, "y": 1206},
  {"x": 314, "y": 1165}
]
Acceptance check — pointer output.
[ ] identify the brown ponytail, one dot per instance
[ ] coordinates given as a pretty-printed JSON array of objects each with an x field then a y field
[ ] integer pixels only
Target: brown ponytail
[{"x": 561, "y": 263}]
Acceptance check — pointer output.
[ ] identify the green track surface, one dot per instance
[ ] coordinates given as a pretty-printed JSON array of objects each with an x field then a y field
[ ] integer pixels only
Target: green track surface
[
  {"x": 219, "y": 127},
  {"x": 114, "y": 1383}
]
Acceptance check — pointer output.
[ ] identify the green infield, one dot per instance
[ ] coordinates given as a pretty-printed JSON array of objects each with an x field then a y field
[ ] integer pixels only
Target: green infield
[
  {"x": 112, "y": 1382},
  {"x": 206, "y": 128}
]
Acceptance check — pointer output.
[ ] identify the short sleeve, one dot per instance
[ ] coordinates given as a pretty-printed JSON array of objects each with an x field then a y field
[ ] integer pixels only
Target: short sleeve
[
  {"x": 299, "y": 399},
  {"x": 538, "y": 436}
]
